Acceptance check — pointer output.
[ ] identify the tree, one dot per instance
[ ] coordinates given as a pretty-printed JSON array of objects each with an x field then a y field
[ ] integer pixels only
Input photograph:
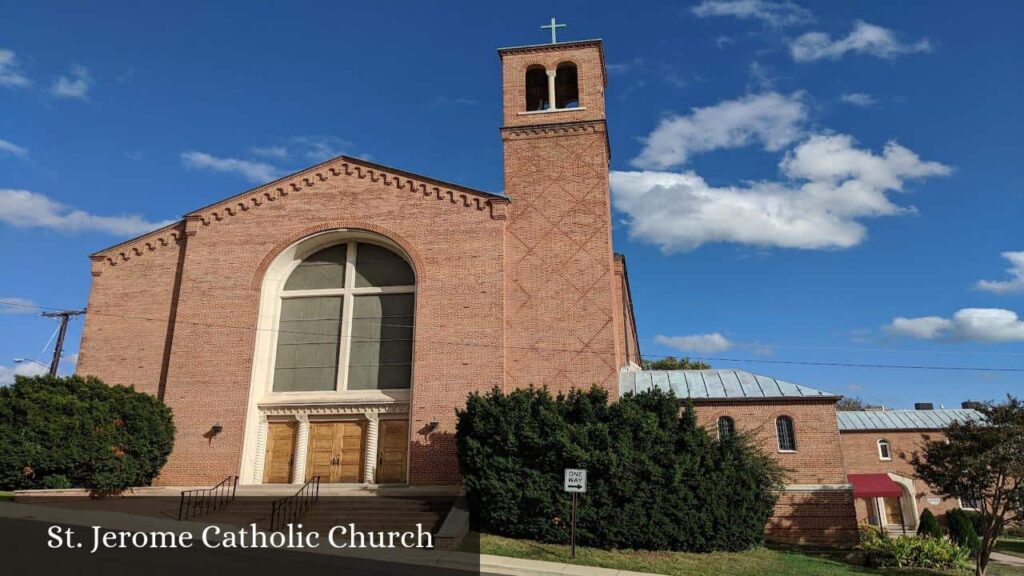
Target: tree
[
  {"x": 981, "y": 462},
  {"x": 79, "y": 432},
  {"x": 850, "y": 404},
  {"x": 673, "y": 363}
]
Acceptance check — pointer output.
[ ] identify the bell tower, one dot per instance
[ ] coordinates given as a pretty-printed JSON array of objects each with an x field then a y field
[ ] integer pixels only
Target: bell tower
[{"x": 561, "y": 307}]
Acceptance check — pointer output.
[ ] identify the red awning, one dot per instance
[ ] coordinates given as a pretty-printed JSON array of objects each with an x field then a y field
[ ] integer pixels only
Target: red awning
[{"x": 874, "y": 486}]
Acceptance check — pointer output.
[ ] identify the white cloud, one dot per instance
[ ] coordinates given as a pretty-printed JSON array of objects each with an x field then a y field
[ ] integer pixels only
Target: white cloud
[
  {"x": 1015, "y": 285},
  {"x": 770, "y": 119},
  {"x": 15, "y": 305},
  {"x": 622, "y": 67},
  {"x": 10, "y": 71},
  {"x": 320, "y": 148},
  {"x": 7, "y": 147},
  {"x": 252, "y": 171},
  {"x": 75, "y": 85},
  {"x": 7, "y": 373},
  {"x": 279, "y": 152},
  {"x": 774, "y": 14},
  {"x": 24, "y": 209},
  {"x": 859, "y": 99},
  {"x": 704, "y": 343},
  {"x": 863, "y": 39},
  {"x": 831, "y": 186},
  {"x": 966, "y": 324},
  {"x": 921, "y": 328}
]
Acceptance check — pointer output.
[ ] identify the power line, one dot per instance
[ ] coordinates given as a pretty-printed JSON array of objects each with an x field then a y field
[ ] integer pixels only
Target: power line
[
  {"x": 552, "y": 349},
  {"x": 857, "y": 365}
]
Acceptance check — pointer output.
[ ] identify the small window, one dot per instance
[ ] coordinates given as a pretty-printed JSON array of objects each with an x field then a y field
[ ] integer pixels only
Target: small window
[
  {"x": 884, "y": 451},
  {"x": 726, "y": 428},
  {"x": 969, "y": 504},
  {"x": 567, "y": 92},
  {"x": 536, "y": 89},
  {"x": 784, "y": 431}
]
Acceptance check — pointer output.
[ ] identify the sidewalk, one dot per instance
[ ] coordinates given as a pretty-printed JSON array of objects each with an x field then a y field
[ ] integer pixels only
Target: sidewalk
[
  {"x": 1007, "y": 559},
  {"x": 485, "y": 563}
]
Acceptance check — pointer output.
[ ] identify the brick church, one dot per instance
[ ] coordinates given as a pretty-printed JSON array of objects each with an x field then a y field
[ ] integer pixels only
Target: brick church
[{"x": 329, "y": 323}]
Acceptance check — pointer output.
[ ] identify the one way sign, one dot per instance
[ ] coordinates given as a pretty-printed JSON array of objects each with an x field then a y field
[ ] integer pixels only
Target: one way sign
[{"x": 575, "y": 480}]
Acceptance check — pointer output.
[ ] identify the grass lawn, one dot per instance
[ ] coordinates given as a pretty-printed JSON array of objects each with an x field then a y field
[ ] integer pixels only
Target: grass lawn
[
  {"x": 755, "y": 562},
  {"x": 1012, "y": 546},
  {"x": 6, "y": 495}
]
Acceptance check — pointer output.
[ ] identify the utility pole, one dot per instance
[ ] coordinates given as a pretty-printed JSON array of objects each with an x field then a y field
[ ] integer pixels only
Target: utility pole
[{"x": 65, "y": 316}]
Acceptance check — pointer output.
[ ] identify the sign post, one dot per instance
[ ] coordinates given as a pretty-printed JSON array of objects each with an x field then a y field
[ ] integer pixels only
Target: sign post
[{"x": 575, "y": 483}]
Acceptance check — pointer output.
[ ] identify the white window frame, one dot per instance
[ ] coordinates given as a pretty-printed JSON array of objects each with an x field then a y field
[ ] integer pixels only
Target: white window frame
[
  {"x": 348, "y": 292},
  {"x": 963, "y": 506},
  {"x": 888, "y": 448}
]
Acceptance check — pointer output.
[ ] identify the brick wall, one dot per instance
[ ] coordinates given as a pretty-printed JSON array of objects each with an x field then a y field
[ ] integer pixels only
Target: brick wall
[
  {"x": 860, "y": 451},
  {"x": 454, "y": 238},
  {"x": 125, "y": 337},
  {"x": 814, "y": 518},
  {"x": 818, "y": 458}
]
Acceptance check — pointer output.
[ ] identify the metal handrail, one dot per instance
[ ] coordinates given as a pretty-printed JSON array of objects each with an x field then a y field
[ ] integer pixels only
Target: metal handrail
[
  {"x": 199, "y": 501},
  {"x": 290, "y": 509}
]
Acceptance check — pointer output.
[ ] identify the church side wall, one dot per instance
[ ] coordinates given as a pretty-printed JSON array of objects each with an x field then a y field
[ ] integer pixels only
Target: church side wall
[
  {"x": 817, "y": 505},
  {"x": 125, "y": 336},
  {"x": 860, "y": 450}
]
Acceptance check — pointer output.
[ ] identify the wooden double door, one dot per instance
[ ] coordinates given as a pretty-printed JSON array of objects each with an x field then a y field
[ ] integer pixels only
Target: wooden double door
[{"x": 337, "y": 451}]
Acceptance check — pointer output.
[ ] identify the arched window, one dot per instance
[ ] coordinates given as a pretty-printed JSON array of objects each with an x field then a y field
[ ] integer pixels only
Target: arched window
[
  {"x": 346, "y": 321},
  {"x": 884, "y": 450},
  {"x": 567, "y": 92},
  {"x": 536, "y": 89},
  {"x": 726, "y": 427},
  {"x": 786, "y": 436}
]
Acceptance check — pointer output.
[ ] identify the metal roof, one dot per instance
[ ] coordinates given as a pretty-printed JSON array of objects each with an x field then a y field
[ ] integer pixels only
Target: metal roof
[
  {"x": 715, "y": 385},
  {"x": 904, "y": 419}
]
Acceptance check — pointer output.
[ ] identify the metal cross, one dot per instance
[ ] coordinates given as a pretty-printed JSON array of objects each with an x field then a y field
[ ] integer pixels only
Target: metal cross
[{"x": 554, "y": 28}]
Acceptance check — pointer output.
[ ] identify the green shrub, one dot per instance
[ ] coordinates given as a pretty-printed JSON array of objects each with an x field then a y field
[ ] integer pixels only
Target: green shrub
[
  {"x": 656, "y": 480},
  {"x": 871, "y": 536},
  {"x": 914, "y": 552},
  {"x": 74, "y": 431},
  {"x": 928, "y": 525},
  {"x": 962, "y": 531}
]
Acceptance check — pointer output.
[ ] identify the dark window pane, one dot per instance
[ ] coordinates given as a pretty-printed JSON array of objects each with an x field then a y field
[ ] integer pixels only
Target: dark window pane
[
  {"x": 307, "y": 344},
  {"x": 725, "y": 427},
  {"x": 324, "y": 269},
  {"x": 784, "y": 429},
  {"x": 381, "y": 352},
  {"x": 567, "y": 94},
  {"x": 536, "y": 89},
  {"x": 377, "y": 266}
]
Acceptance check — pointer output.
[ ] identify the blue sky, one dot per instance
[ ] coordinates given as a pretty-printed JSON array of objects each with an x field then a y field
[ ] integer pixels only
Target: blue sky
[{"x": 793, "y": 182}]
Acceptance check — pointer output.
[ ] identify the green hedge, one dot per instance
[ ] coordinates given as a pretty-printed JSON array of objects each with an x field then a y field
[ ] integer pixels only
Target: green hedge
[
  {"x": 928, "y": 525},
  {"x": 962, "y": 530},
  {"x": 656, "y": 479},
  {"x": 79, "y": 432}
]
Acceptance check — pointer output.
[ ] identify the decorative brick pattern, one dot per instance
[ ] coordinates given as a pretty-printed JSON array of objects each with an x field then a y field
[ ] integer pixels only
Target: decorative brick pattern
[{"x": 562, "y": 302}]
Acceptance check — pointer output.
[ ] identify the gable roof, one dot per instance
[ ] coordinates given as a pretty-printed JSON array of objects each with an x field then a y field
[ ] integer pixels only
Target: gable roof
[
  {"x": 346, "y": 166},
  {"x": 726, "y": 384},
  {"x": 904, "y": 419}
]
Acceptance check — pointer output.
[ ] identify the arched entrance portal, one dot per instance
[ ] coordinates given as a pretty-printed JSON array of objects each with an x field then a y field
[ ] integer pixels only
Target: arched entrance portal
[{"x": 332, "y": 369}]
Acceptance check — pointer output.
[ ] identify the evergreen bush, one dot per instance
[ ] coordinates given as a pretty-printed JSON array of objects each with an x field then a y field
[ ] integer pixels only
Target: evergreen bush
[
  {"x": 962, "y": 531},
  {"x": 79, "y": 432},
  {"x": 656, "y": 480},
  {"x": 928, "y": 525}
]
